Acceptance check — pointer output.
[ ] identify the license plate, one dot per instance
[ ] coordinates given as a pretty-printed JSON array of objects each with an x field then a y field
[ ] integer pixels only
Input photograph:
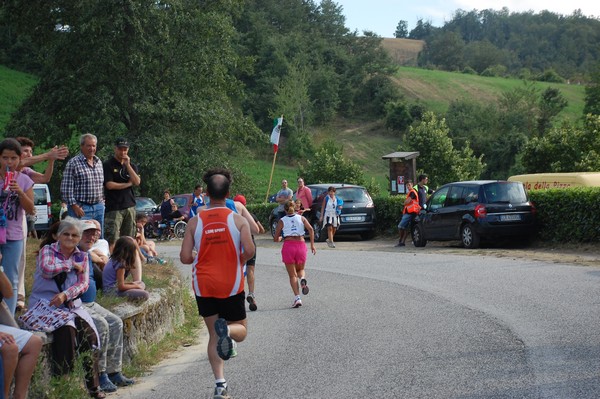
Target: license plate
[
  {"x": 354, "y": 218},
  {"x": 510, "y": 218}
]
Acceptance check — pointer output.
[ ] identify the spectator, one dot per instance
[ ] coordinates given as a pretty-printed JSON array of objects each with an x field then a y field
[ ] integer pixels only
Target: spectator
[
  {"x": 109, "y": 325},
  {"x": 166, "y": 205},
  {"x": 330, "y": 214},
  {"x": 120, "y": 176},
  {"x": 16, "y": 200},
  {"x": 19, "y": 349},
  {"x": 123, "y": 262},
  {"x": 423, "y": 190},
  {"x": 61, "y": 276},
  {"x": 197, "y": 201},
  {"x": 82, "y": 186},
  {"x": 175, "y": 215},
  {"x": 410, "y": 210},
  {"x": 148, "y": 246},
  {"x": 304, "y": 194},
  {"x": 63, "y": 211},
  {"x": 283, "y": 196}
]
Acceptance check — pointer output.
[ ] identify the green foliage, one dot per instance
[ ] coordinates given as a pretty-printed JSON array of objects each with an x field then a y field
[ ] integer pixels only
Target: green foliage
[
  {"x": 567, "y": 148},
  {"x": 401, "y": 30},
  {"x": 550, "y": 75},
  {"x": 262, "y": 212},
  {"x": 388, "y": 212},
  {"x": 397, "y": 116},
  {"x": 330, "y": 166},
  {"x": 581, "y": 222},
  {"x": 494, "y": 70},
  {"x": 378, "y": 91},
  {"x": 592, "y": 93},
  {"x": 469, "y": 71},
  {"x": 438, "y": 158},
  {"x": 552, "y": 102}
]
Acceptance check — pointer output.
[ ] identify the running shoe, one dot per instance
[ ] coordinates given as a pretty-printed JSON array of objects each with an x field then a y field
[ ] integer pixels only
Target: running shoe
[
  {"x": 330, "y": 243},
  {"x": 252, "y": 302},
  {"x": 226, "y": 346},
  {"x": 221, "y": 393},
  {"x": 400, "y": 244},
  {"x": 297, "y": 303},
  {"x": 304, "y": 286}
]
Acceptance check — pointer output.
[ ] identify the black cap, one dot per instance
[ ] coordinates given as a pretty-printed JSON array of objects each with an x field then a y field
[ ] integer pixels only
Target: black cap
[{"x": 122, "y": 142}]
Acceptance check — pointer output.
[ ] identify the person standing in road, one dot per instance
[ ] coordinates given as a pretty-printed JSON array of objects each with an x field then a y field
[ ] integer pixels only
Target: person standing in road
[
  {"x": 283, "y": 196},
  {"x": 410, "y": 210},
  {"x": 330, "y": 214},
  {"x": 293, "y": 253},
  {"x": 120, "y": 176},
  {"x": 197, "y": 201},
  {"x": 82, "y": 187},
  {"x": 217, "y": 243}
]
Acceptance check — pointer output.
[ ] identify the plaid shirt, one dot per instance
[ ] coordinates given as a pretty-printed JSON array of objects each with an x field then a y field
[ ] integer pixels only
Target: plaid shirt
[
  {"x": 82, "y": 182},
  {"x": 51, "y": 262}
]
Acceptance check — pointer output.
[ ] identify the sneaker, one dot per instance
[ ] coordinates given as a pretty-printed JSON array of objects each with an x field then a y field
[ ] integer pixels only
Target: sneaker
[
  {"x": 120, "y": 380},
  {"x": 252, "y": 302},
  {"x": 151, "y": 260},
  {"x": 106, "y": 384},
  {"x": 221, "y": 393},
  {"x": 401, "y": 244},
  {"x": 161, "y": 261},
  {"x": 330, "y": 243},
  {"x": 226, "y": 347},
  {"x": 297, "y": 303},
  {"x": 304, "y": 286}
]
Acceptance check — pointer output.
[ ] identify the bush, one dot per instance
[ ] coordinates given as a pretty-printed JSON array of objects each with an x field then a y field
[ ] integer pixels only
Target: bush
[
  {"x": 262, "y": 212},
  {"x": 568, "y": 215},
  {"x": 469, "y": 71}
]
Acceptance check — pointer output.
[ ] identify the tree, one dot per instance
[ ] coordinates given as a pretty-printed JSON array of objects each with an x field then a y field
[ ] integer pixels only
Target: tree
[
  {"x": 438, "y": 157},
  {"x": 330, "y": 165},
  {"x": 401, "y": 30},
  {"x": 551, "y": 103},
  {"x": 592, "y": 94}
]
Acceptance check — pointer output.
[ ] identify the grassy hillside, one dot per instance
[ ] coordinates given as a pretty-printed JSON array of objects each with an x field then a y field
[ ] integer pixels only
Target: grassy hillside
[
  {"x": 14, "y": 88},
  {"x": 437, "y": 89}
]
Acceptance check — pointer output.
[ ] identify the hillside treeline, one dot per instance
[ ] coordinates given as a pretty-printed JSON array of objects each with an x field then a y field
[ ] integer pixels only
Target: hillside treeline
[
  {"x": 191, "y": 83},
  {"x": 543, "y": 46}
]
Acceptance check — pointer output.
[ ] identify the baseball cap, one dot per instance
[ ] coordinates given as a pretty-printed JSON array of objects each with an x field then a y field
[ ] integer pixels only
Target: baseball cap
[
  {"x": 240, "y": 198},
  {"x": 122, "y": 142},
  {"x": 88, "y": 225}
]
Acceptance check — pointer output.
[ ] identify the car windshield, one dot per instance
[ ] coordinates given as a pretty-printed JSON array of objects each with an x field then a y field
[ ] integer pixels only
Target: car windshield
[
  {"x": 352, "y": 194},
  {"x": 144, "y": 203},
  {"x": 39, "y": 196},
  {"x": 505, "y": 192},
  {"x": 180, "y": 201}
]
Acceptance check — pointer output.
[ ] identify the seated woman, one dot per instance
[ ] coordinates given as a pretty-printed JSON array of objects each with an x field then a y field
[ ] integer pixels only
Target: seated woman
[
  {"x": 123, "y": 262},
  {"x": 148, "y": 246},
  {"x": 61, "y": 276},
  {"x": 19, "y": 350}
]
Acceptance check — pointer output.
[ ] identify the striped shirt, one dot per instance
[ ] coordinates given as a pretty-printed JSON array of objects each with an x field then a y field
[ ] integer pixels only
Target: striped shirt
[
  {"x": 51, "y": 262},
  {"x": 82, "y": 182},
  {"x": 217, "y": 269}
]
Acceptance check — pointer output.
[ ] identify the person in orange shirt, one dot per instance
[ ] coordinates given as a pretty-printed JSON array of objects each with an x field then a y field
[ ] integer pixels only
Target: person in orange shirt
[
  {"x": 410, "y": 210},
  {"x": 224, "y": 245}
]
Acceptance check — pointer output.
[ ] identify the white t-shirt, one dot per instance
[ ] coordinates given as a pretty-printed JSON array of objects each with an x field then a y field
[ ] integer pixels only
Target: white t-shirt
[{"x": 102, "y": 246}]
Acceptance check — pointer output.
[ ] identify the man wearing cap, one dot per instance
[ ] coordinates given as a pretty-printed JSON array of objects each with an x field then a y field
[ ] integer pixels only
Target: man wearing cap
[
  {"x": 82, "y": 184},
  {"x": 120, "y": 176}
]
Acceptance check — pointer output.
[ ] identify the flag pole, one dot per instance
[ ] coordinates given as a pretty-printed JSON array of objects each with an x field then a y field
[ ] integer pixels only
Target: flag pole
[
  {"x": 271, "y": 177},
  {"x": 274, "y": 157}
]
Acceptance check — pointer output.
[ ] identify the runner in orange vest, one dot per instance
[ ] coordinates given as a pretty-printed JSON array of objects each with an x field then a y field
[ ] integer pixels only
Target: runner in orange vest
[
  {"x": 217, "y": 243},
  {"x": 411, "y": 209}
]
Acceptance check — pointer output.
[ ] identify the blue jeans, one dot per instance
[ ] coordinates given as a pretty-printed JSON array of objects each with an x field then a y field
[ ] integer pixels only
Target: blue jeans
[
  {"x": 95, "y": 212},
  {"x": 11, "y": 256}
]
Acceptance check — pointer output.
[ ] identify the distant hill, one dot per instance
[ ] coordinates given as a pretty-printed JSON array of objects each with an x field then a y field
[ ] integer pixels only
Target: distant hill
[{"x": 403, "y": 51}]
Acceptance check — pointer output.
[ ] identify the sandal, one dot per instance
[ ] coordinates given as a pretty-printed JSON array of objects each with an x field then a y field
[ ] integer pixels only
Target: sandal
[{"x": 97, "y": 393}]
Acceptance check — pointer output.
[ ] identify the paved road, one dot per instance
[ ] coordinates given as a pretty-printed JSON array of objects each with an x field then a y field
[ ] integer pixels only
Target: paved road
[{"x": 406, "y": 324}]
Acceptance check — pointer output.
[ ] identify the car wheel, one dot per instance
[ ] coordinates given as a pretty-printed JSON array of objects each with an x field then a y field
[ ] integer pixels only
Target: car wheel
[
  {"x": 179, "y": 229},
  {"x": 418, "y": 237},
  {"x": 368, "y": 235},
  {"x": 320, "y": 234},
  {"x": 469, "y": 237}
]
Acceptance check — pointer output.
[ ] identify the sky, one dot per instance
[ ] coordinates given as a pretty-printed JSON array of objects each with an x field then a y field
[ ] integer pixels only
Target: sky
[{"x": 382, "y": 16}]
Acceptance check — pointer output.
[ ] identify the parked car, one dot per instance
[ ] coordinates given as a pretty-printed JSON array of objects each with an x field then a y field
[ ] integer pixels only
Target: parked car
[
  {"x": 183, "y": 203},
  {"x": 472, "y": 211},
  {"x": 144, "y": 204},
  {"x": 358, "y": 211},
  {"x": 43, "y": 204}
]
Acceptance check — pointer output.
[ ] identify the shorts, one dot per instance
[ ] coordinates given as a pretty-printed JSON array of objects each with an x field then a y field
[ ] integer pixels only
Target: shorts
[
  {"x": 231, "y": 309},
  {"x": 406, "y": 220},
  {"x": 119, "y": 223},
  {"x": 21, "y": 336},
  {"x": 332, "y": 221},
  {"x": 293, "y": 252}
]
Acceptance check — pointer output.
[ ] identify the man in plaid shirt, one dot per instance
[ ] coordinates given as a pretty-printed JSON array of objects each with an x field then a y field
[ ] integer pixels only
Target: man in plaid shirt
[{"x": 82, "y": 186}]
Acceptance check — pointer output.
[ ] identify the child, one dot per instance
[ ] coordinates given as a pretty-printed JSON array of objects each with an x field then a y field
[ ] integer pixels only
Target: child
[
  {"x": 298, "y": 208},
  {"x": 124, "y": 261},
  {"x": 16, "y": 199},
  {"x": 147, "y": 246}
]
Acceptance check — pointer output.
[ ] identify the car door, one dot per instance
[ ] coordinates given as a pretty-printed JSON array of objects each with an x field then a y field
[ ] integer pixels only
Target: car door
[
  {"x": 432, "y": 218},
  {"x": 450, "y": 215}
]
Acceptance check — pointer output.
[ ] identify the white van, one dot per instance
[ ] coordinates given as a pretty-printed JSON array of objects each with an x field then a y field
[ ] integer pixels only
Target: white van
[{"x": 43, "y": 207}]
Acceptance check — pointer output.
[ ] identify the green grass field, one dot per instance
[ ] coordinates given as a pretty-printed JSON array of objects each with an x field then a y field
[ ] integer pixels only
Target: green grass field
[
  {"x": 14, "y": 89},
  {"x": 437, "y": 89}
]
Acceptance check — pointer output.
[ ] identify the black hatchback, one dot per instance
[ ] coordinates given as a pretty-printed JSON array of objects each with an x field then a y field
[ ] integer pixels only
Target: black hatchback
[{"x": 470, "y": 211}]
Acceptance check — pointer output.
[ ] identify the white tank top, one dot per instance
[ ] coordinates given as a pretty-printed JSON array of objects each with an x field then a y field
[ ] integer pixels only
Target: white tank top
[{"x": 292, "y": 225}]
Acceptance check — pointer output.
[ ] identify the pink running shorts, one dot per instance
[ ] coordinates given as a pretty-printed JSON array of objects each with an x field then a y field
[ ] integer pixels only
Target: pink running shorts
[{"x": 294, "y": 252}]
